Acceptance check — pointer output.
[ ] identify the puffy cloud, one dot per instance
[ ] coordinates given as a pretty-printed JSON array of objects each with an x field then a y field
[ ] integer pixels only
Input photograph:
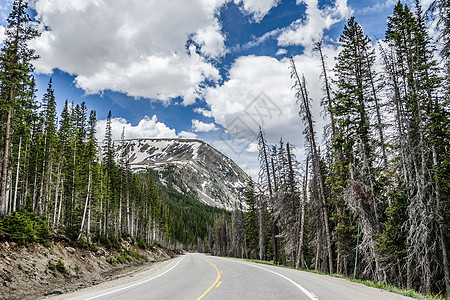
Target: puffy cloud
[
  {"x": 258, "y": 8},
  {"x": 258, "y": 93},
  {"x": 199, "y": 126},
  {"x": 211, "y": 40},
  {"x": 147, "y": 128},
  {"x": 252, "y": 148},
  {"x": 135, "y": 47},
  {"x": 204, "y": 112},
  {"x": 306, "y": 31}
]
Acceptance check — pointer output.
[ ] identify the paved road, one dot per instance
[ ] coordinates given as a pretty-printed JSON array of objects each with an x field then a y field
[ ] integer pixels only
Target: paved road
[{"x": 196, "y": 276}]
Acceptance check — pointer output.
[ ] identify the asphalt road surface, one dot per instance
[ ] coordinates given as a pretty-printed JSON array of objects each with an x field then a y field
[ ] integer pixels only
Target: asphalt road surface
[{"x": 197, "y": 276}]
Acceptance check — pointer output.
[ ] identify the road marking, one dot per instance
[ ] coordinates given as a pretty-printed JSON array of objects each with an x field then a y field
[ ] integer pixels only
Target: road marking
[
  {"x": 218, "y": 284},
  {"x": 215, "y": 282},
  {"x": 138, "y": 283},
  {"x": 305, "y": 291}
]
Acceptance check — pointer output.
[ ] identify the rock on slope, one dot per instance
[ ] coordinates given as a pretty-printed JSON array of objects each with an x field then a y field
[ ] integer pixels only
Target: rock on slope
[
  {"x": 35, "y": 271},
  {"x": 200, "y": 168}
]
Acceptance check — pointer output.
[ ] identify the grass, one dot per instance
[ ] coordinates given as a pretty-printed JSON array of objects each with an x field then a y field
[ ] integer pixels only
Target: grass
[
  {"x": 59, "y": 266},
  {"x": 390, "y": 288}
]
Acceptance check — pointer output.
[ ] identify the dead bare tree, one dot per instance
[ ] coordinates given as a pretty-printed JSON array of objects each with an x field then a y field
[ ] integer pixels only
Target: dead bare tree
[{"x": 304, "y": 101}]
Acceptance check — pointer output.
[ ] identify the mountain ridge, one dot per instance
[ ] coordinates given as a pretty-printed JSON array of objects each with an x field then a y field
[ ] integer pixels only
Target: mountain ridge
[{"x": 199, "y": 168}]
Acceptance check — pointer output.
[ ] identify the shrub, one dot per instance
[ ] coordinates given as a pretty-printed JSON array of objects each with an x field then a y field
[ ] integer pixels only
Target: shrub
[
  {"x": 25, "y": 228},
  {"x": 142, "y": 245},
  {"x": 123, "y": 257},
  {"x": 60, "y": 266},
  {"x": 110, "y": 260}
]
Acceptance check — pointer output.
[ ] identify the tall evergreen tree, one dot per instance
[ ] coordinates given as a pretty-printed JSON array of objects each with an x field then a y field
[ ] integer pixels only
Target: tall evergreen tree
[
  {"x": 421, "y": 113},
  {"x": 355, "y": 142},
  {"x": 15, "y": 78}
]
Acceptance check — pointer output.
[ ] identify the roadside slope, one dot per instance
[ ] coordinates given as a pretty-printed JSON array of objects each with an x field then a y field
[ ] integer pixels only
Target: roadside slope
[{"x": 30, "y": 272}]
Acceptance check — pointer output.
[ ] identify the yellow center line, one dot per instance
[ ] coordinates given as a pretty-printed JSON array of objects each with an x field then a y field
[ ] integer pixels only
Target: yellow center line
[
  {"x": 215, "y": 282},
  {"x": 218, "y": 284}
]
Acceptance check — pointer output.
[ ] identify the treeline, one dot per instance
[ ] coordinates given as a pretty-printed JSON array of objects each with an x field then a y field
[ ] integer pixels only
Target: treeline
[
  {"x": 56, "y": 178},
  {"x": 384, "y": 172}
]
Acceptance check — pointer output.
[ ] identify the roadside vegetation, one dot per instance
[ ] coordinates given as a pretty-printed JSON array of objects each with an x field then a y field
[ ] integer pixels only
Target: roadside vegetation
[{"x": 374, "y": 201}]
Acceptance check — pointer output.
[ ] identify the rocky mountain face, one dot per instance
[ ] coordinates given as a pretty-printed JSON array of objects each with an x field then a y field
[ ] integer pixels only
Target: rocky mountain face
[{"x": 196, "y": 166}]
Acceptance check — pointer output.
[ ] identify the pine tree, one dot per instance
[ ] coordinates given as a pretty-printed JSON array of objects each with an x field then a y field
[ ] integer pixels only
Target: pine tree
[
  {"x": 355, "y": 144},
  {"x": 421, "y": 113},
  {"x": 15, "y": 78},
  {"x": 443, "y": 10},
  {"x": 251, "y": 221}
]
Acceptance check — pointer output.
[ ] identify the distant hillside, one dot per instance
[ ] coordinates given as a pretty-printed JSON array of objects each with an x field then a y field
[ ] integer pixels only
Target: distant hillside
[{"x": 196, "y": 167}]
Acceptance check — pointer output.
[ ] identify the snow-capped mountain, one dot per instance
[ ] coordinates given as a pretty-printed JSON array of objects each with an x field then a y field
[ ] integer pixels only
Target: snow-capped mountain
[{"x": 197, "y": 166}]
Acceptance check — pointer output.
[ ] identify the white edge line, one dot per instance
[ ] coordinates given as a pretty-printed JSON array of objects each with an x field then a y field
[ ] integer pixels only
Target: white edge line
[
  {"x": 305, "y": 291},
  {"x": 138, "y": 283}
]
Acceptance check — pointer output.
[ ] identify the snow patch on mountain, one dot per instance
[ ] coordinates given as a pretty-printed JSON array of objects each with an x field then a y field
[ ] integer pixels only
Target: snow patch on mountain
[{"x": 213, "y": 177}]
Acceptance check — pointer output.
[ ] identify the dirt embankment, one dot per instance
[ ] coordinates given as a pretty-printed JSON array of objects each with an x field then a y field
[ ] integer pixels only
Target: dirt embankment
[{"x": 35, "y": 271}]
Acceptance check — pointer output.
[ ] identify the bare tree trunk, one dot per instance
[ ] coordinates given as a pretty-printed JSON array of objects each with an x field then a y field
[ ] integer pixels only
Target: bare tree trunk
[
  {"x": 318, "y": 47},
  {"x": 119, "y": 227},
  {"x": 445, "y": 264},
  {"x": 262, "y": 231},
  {"x": 3, "y": 203},
  {"x": 39, "y": 206},
  {"x": 442, "y": 238},
  {"x": 9, "y": 191},
  {"x": 25, "y": 185},
  {"x": 14, "y": 204},
  {"x": 129, "y": 229},
  {"x": 48, "y": 188},
  {"x": 377, "y": 109},
  {"x": 60, "y": 204},
  {"x": 302, "y": 95},
  {"x": 73, "y": 175},
  {"x": 88, "y": 225},
  {"x": 34, "y": 203},
  {"x": 300, "y": 255},
  {"x": 88, "y": 194},
  {"x": 58, "y": 178}
]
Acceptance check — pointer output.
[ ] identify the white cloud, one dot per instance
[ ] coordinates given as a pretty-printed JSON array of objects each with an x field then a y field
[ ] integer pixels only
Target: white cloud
[
  {"x": 378, "y": 7},
  {"x": 2, "y": 34},
  {"x": 258, "y": 93},
  {"x": 204, "y": 112},
  {"x": 258, "y": 8},
  {"x": 199, "y": 126},
  {"x": 240, "y": 107},
  {"x": 306, "y": 31},
  {"x": 256, "y": 41},
  {"x": 135, "y": 47},
  {"x": 187, "y": 135},
  {"x": 252, "y": 148},
  {"x": 147, "y": 128},
  {"x": 281, "y": 52},
  {"x": 211, "y": 40}
]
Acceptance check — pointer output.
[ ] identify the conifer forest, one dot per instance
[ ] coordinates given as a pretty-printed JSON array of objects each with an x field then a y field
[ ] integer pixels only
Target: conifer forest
[{"x": 371, "y": 197}]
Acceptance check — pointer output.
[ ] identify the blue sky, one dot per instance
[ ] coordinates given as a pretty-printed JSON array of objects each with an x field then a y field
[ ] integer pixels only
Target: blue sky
[{"x": 209, "y": 69}]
